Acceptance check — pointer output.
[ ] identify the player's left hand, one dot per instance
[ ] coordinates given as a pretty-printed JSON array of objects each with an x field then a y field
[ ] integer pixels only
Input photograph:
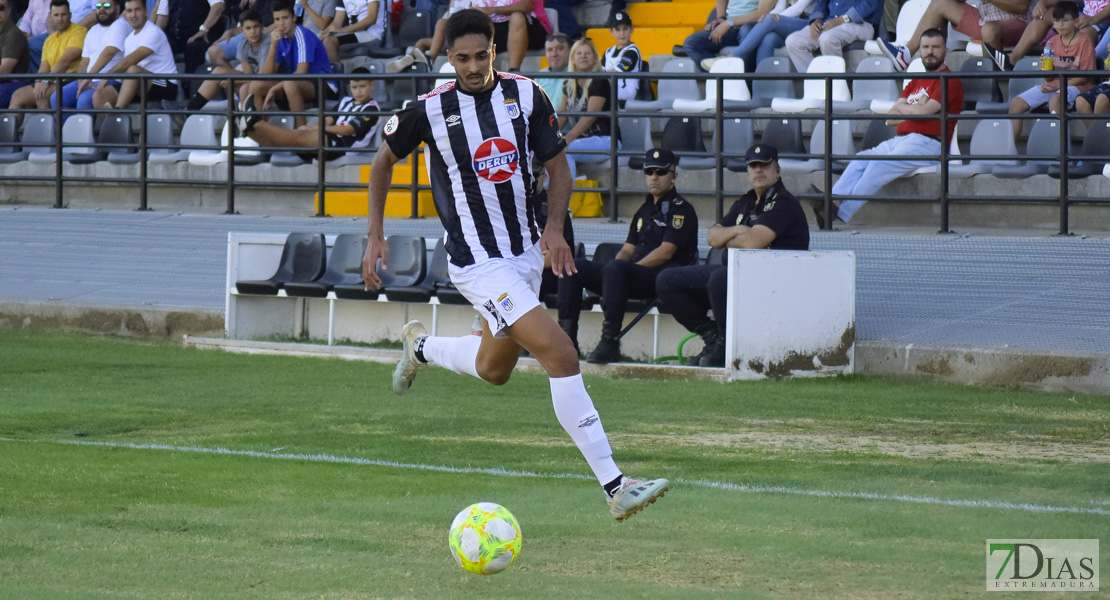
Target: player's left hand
[{"x": 555, "y": 250}]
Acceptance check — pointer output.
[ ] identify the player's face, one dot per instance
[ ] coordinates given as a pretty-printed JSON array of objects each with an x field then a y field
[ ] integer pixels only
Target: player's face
[
  {"x": 659, "y": 181},
  {"x": 622, "y": 33},
  {"x": 584, "y": 59},
  {"x": 285, "y": 22},
  {"x": 252, "y": 30},
  {"x": 135, "y": 13},
  {"x": 472, "y": 57},
  {"x": 60, "y": 17},
  {"x": 763, "y": 175},
  {"x": 361, "y": 90},
  {"x": 558, "y": 54},
  {"x": 106, "y": 12},
  {"x": 933, "y": 52}
]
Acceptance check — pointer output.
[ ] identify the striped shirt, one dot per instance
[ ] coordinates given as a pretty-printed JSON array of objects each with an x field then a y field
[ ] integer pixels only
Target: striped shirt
[
  {"x": 363, "y": 123},
  {"x": 479, "y": 153},
  {"x": 624, "y": 60}
]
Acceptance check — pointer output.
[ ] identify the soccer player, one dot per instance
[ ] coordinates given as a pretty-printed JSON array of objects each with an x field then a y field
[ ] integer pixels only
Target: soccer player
[{"x": 481, "y": 133}]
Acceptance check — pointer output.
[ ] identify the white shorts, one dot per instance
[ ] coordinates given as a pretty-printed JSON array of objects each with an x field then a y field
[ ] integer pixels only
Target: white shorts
[
  {"x": 502, "y": 289},
  {"x": 1034, "y": 97}
]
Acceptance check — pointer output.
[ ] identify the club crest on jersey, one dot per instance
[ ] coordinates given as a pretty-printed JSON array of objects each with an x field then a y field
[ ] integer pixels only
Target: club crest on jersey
[
  {"x": 512, "y": 108},
  {"x": 496, "y": 159},
  {"x": 506, "y": 303}
]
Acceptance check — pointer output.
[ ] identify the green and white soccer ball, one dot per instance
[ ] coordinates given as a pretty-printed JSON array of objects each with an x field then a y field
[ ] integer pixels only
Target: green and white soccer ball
[{"x": 484, "y": 538}]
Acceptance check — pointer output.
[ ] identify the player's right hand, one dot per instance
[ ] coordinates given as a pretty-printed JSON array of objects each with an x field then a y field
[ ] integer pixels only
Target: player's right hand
[{"x": 376, "y": 248}]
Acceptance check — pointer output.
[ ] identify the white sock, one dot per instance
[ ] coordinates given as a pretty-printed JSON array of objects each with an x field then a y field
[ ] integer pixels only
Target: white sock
[
  {"x": 576, "y": 413},
  {"x": 457, "y": 354}
]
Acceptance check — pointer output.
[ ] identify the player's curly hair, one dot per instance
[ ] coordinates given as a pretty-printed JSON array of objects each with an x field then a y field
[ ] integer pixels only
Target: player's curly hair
[{"x": 466, "y": 22}]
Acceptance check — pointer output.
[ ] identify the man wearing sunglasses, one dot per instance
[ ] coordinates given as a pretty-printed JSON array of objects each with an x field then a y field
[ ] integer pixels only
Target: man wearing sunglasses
[
  {"x": 103, "y": 49},
  {"x": 145, "y": 50},
  {"x": 663, "y": 234},
  {"x": 767, "y": 216},
  {"x": 13, "y": 54}
]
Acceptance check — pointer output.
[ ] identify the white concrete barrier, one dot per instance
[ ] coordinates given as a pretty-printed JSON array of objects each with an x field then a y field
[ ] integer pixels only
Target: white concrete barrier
[{"x": 790, "y": 313}]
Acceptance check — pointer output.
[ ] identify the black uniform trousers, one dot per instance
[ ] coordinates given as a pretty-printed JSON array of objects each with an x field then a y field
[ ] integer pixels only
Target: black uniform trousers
[
  {"x": 689, "y": 292},
  {"x": 617, "y": 281}
]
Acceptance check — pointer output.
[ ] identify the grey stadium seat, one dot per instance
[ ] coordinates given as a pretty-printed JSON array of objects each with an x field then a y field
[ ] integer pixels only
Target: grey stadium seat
[
  {"x": 1017, "y": 86},
  {"x": 991, "y": 137},
  {"x": 1044, "y": 141},
  {"x": 670, "y": 89},
  {"x": 159, "y": 138},
  {"x": 303, "y": 259},
  {"x": 199, "y": 131},
  {"x": 9, "y": 140},
  {"x": 766, "y": 90}
]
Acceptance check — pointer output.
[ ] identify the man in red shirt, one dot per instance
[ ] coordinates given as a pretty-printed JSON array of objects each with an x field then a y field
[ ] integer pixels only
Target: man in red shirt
[{"x": 864, "y": 177}]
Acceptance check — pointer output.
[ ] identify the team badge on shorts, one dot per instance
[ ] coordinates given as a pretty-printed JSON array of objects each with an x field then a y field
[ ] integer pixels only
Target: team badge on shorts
[
  {"x": 505, "y": 302},
  {"x": 512, "y": 108},
  {"x": 676, "y": 222},
  {"x": 496, "y": 159}
]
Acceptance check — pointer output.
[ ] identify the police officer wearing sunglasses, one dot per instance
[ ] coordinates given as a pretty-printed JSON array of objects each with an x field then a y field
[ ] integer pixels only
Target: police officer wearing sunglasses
[{"x": 663, "y": 234}]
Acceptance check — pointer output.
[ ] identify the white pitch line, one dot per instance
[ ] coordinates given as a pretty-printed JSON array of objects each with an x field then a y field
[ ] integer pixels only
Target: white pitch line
[{"x": 498, "y": 472}]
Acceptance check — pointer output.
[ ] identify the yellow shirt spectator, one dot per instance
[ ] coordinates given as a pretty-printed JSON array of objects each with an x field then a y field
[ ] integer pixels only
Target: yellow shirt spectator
[{"x": 58, "y": 42}]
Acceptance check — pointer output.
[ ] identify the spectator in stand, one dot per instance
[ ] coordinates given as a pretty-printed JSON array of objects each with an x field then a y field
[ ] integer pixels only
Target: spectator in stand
[
  {"x": 557, "y": 51},
  {"x": 252, "y": 55},
  {"x": 663, "y": 234},
  {"x": 36, "y": 25},
  {"x": 342, "y": 133},
  {"x": 997, "y": 23},
  {"x": 1091, "y": 23},
  {"x": 145, "y": 50},
  {"x": 368, "y": 20},
  {"x": 160, "y": 14},
  {"x": 568, "y": 21},
  {"x": 60, "y": 54},
  {"x": 224, "y": 49},
  {"x": 13, "y": 54},
  {"x": 194, "y": 25},
  {"x": 103, "y": 49},
  {"x": 833, "y": 25},
  {"x": 624, "y": 57},
  {"x": 740, "y": 16},
  {"x": 83, "y": 13},
  {"x": 518, "y": 27},
  {"x": 318, "y": 14},
  {"x": 427, "y": 49},
  {"x": 914, "y": 137},
  {"x": 771, "y": 31},
  {"x": 767, "y": 216},
  {"x": 294, "y": 50},
  {"x": 1071, "y": 51},
  {"x": 586, "y": 94}
]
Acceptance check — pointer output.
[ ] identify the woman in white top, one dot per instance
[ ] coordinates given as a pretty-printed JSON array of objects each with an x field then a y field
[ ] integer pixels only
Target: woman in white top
[{"x": 770, "y": 32}]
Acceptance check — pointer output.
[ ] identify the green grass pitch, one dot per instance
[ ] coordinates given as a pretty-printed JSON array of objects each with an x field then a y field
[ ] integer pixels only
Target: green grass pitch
[{"x": 331, "y": 486}]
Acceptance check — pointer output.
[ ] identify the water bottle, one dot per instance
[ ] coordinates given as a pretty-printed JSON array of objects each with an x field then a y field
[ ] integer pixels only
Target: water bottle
[
  {"x": 298, "y": 9},
  {"x": 476, "y": 328},
  {"x": 1046, "y": 59}
]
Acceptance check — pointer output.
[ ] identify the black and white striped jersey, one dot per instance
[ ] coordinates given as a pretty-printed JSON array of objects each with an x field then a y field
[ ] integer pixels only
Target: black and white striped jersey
[
  {"x": 624, "y": 60},
  {"x": 363, "y": 123},
  {"x": 479, "y": 152}
]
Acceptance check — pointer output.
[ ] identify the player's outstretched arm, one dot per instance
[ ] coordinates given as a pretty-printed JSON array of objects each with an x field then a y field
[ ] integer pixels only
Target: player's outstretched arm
[
  {"x": 381, "y": 174},
  {"x": 552, "y": 243}
]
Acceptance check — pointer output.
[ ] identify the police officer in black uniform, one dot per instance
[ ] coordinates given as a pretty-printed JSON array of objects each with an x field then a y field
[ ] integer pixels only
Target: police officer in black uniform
[
  {"x": 663, "y": 234},
  {"x": 767, "y": 216}
]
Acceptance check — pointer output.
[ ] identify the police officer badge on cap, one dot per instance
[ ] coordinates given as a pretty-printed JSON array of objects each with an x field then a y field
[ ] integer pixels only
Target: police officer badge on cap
[
  {"x": 761, "y": 153},
  {"x": 659, "y": 158}
]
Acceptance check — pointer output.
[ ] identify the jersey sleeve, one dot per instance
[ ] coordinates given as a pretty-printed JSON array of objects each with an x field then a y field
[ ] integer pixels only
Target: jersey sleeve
[
  {"x": 543, "y": 127},
  {"x": 682, "y": 227},
  {"x": 404, "y": 131},
  {"x": 629, "y": 60}
]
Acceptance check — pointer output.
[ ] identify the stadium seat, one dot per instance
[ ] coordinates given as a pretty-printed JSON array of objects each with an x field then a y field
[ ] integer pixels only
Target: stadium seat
[
  {"x": 1044, "y": 141},
  {"x": 408, "y": 264},
  {"x": 864, "y": 91},
  {"x": 1095, "y": 143},
  {"x": 842, "y": 145},
  {"x": 739, "y": 135},
  {"x": 765, "y": 90},
  {"x": 159, "y": 138},
  {"x": 446, "y": 68},
  {"x": 1016, "y": 86},
  {"x": 249, "y": 155},
  {"x": 415, "y": 25},
  {"x": 877, "y": 132},
  {"x": 669, "y": 89},
  {"x": 199, "y": 131},
  {"x": 682, "y": 135},
  {"x": 635, "y": 138},
  {"x": 302, "y": 259},
  {"x": 38, "y": 137},
  {"x": 116, "y": 131},
  {"x": 881, "y": 107},
  {"x": 9, "y": 140},
  {"x": 344, "y": 266},
  {"x": 908, "y": 17},
  {"x": 735, "y": 90},
  {"x": 991, "y": 137},
  {"x": 785, "y": 135},
  {"x": 425, "y": 289},
  {"x": 813, "y": 90},
  {"x": 979, "y": 90}
]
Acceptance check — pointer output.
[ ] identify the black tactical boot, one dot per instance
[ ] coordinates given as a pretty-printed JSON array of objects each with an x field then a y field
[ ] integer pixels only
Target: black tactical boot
[
  {"x": 714, "y": 354},
  {"x": 609, "y": 348},
  {"x": 708, "y": 333}
]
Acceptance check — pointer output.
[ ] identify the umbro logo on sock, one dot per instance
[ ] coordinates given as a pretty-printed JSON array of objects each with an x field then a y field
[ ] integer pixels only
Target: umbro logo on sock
[{"x": 590, "y": 420}]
